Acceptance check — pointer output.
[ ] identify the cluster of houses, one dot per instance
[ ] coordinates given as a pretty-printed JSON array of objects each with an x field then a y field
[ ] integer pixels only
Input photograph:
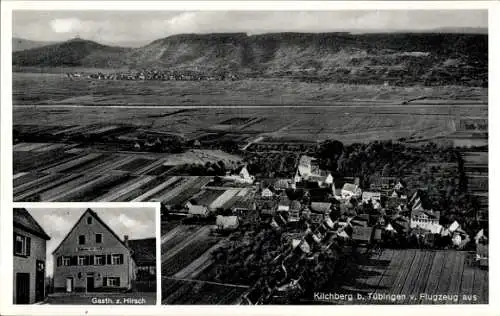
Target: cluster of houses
[
  {"x": 91, "y": 258},
  {"x": 157, "y": 75},
  {"x": 375, "y": 216}
]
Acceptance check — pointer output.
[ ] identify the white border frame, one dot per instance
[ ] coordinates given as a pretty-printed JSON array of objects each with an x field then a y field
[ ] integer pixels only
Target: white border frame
[{"x": 6, "y": 205}]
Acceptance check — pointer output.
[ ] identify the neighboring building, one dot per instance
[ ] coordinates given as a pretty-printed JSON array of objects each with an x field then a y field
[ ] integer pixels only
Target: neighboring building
[
  {"x": 29, "y": 258},
  {"x": 144, "y": 255},
  {"x": 197, "y": 210},
  {"x": 383, "y": 184},
  {"x": 93, "y": 258},
  {"x": 267, "y": 193},
  {"x": 227, "y": 223},
  {"x": 425, "y": 219},
  {"x": 350, "y": 190},
  {"x": 284, "y": 204},
  {"x": 241, "y": 175}
]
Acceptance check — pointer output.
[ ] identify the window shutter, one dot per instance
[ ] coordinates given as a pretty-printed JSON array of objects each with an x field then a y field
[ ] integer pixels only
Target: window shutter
[
  {"x": 28, "y": 246},
  {"x": 59, "y": 261},
  {"x": 74, "y": 260},
  {"x": 105, "y": 281},
  {"x": 117, "y": 281},
  {"x": 91, "y": 260},
  {"x": 108, "y": 259},
  {"x": 14, "y": 248},
  {"x": 121, "y": 259}
]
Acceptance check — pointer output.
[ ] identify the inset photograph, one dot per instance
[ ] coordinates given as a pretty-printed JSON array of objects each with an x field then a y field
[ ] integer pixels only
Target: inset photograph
[{"x": 97, "y": 256}]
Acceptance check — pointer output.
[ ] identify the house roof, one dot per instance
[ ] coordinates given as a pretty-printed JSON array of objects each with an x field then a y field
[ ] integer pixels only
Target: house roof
[
  {"x": 197, "y": 209},
  {"x": 370, "y": 195},
  {"x": 361, "y": 233},
  {"x": 321, "y": 207},
  {"x": 282, "y": 184},
  {"x": 429, "y": 213},
  {"x": 284, "y": 200},
  {"x": 144, "y": 251},
  {"x": 349, "y": 187},
  {"x": 97, "y": 218},
  {"x": 295, "y": 205},
  {"x": 23, "y": 219}
]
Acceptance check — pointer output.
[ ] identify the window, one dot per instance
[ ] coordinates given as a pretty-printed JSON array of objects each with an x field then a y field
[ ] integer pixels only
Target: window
[
  {"x": 99, "y": 260},
  {"x": 66, "y": 261},
  {"x": 82, "y": 260},
  {"x": 89, "y": 220},
  {"x": 117, "y": 259},
  {"x": 22, "y": 245},
  {"x": 81, "y": 240},
  {"x": 113, "y": 282},
  {"x": 98, "y": 238}
]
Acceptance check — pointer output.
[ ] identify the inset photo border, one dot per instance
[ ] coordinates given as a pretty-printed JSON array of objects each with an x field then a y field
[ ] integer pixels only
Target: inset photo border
[{"x": 85, "y": 254}]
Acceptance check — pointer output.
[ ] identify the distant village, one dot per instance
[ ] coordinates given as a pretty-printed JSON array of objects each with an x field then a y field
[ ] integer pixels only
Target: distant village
[
  {"x": 157, "y": 75},
  {"x": 313, "y": 212}
]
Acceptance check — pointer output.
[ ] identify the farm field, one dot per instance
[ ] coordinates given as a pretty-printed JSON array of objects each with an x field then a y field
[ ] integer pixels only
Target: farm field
[
  {"x": 56, "y": 88},
  {"x": 185, "y": 253},
  {"x": 359, "y": 122},
  {"x": 62, "y": 174},
  {"x": 414, "y": 272}
]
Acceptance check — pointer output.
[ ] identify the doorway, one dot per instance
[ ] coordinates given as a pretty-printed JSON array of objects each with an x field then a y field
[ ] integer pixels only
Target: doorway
[
  {"x": 90, "y": 284},
  {"x": 22, "y": 288},
  {"x": 69, "y": 285},
  {"x": 40, "y": 281}
]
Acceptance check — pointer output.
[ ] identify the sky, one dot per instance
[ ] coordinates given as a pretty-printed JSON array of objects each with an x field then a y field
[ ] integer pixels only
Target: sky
[
  {"x": 137, "y": 223},
  {"x": 140, "y": 27}
]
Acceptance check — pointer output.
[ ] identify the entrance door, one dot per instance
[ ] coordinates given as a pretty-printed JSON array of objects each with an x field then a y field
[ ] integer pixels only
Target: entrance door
[
  {"x": 22, "y": 288},
  {"x": 40, "y": 281},
  {"x": 90, "y": 283},
  {"x": 69, "y": 285}
]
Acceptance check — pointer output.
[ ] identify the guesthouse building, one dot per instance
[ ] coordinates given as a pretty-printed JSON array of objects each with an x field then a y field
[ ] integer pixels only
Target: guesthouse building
[{"x": 93, "y": 258}]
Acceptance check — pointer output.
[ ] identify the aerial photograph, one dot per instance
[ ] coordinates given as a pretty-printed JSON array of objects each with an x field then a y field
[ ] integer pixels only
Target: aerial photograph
[
  {"x": 78, "y": 257},
  {"x": 300, "y": 157}
]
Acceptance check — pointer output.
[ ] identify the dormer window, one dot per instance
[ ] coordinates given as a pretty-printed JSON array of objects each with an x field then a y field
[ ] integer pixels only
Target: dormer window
[{"x": 89, "y": 220}]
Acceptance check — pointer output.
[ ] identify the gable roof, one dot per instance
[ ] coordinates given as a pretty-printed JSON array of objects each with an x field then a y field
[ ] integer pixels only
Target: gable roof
[
  {"x": 23, "y": 219},
  {"x": 97, "y": 218},
  {"x": 144, "y": 251}
]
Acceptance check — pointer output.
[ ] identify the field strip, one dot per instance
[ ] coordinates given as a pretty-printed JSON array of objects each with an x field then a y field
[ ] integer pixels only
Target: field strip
[
  {"x": 37, "y": 183},
  {"x": 108, "y": 165},
  {"x": 50, "y": 147},
  {"x": 79, "y": 188},
  {"x": 149, "y": 166},
  {"x": 125, "y": 188},
  {"x": 172, "y": 193},
  {"x": 19, "y": 174},
  {"x": 170, "y": 234},
  {"x": 72, "y": 163},
  {"x": 154, "y": 190},
  {"x": 197, "y": 266},
  {"x": 200, "y": 233},
  {"x": 48, "y": 185},
  {"x": 223, "y": 198},
  {"x": 208, "y": 282}
]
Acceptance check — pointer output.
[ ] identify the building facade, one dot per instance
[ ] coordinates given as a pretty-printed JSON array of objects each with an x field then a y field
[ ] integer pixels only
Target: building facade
[
  {"x": 93, "y": 258},
  {"x": 29, "y": 258}
]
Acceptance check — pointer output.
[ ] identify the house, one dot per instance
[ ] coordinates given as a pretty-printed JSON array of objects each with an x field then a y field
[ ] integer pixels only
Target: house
[
  {"x": 320, "y": 207},
  {"x": 349, "y": 191},
  {"x": 30, "y": 243},
  {"x": 383, "y": 184},
  {"x": 267, "y": 193},
  {"x": 197, "y": 210},
  {"x": 144, "y": 256},
  {"x": 294, "y": 212},
  {"x": 373, "y": 198},
  {"x": 227, "y": 223},
  {"x": 426, "y": 219},
  {"x": 284, "y": 204},
  {"x": 93, "y": 258},
  {"x": 241, "y": 175}
]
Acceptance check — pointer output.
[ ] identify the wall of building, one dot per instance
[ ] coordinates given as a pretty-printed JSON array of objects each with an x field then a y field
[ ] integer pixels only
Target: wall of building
[
  {"x": 28, "y": 265},
  {"x": 110, "y": 245}
]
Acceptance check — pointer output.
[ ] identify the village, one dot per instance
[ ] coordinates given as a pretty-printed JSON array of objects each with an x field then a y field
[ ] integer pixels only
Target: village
[
  {"x": 157, "y": 75},
  {"x": 310, "y": 214}
]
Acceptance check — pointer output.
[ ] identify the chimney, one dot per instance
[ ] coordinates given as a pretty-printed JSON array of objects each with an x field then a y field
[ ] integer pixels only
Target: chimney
[{"x": 125, "y": 240}]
